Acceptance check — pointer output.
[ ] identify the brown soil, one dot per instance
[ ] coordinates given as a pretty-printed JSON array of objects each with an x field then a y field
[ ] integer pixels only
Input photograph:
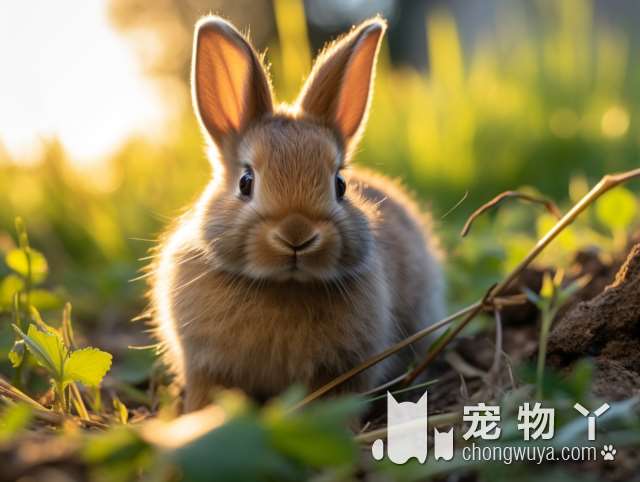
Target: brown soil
[
  {"x": 606, "y": 328},
  {"x": 521, "y": 332}
]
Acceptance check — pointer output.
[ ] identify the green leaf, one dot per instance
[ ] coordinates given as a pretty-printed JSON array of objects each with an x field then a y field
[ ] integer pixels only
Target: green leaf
[
  {"x": 16, "y": 355},
  {"x": 45, "y": 300},
  {"x": 67, "y": 328},
  {"x": 325, "y": 424},
  {"x": 14, "y": 419},
  {"x": 548, "y": 287},
  {"x": 567, "y": 239},
  {"x": 18, "y": 261},
  {"x": 21, "y": 230},
  {"x": 46, "y": 348},
  {"x": 118, "y": 444},
  {"x": 332, "y": 446},
  {"x": 118, "y": 454},
  {"x": 9, "y": 286},
  {"x": 241, "y": 452},
  {"x": 618, "y": 209},
  {"x": 87, "y": 366},
  {"x": 134, "y": 366},
  {"x": 40, "y": 323},
  {"x": 121, "y": 410}
]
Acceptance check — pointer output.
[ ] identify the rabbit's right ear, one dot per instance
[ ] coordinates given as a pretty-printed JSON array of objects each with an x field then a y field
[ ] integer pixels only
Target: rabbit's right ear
[{"x": 230, "y": 87}]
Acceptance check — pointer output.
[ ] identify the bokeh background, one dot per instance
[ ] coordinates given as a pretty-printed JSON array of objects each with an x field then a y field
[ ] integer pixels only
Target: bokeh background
[{"x": 99, "y": 148}]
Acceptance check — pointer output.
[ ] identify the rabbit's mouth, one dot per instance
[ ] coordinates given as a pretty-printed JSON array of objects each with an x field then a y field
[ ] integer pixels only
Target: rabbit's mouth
[
  {"x": 296, "y": 255},
  {"x": 297, "y": 267},
  {"x": 296, "y": 271}
]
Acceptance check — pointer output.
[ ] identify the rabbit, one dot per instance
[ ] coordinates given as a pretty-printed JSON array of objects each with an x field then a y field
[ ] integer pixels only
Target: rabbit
[{"x": 293, "y": 266}]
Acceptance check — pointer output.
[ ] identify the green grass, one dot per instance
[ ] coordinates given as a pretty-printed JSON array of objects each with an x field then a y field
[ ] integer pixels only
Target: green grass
[{"x": 557, "y": 104}]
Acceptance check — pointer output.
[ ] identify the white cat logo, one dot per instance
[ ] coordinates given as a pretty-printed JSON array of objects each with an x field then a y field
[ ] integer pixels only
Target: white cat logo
[
  {"x": 443, "y": 444},
  {"x": 406, "y": 431}
]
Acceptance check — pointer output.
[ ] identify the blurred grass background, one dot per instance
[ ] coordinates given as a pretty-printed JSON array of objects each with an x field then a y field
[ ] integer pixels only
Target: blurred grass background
[{"x": 543, "y": 94}]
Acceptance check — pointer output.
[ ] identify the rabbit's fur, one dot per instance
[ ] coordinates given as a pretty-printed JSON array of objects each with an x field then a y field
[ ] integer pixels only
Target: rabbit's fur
[{"x": 289, "y": 283}]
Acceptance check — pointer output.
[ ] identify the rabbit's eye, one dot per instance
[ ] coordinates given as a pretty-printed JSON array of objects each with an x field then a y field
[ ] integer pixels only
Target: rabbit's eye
[
  {"x": 341, "y": 186},
  {"x": 246, "y": 182}
]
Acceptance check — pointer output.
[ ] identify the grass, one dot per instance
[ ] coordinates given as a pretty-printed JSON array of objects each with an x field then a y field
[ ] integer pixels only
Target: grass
[
  {"x": 555, "y": 109},
  {"x": 550, "y": 109}
]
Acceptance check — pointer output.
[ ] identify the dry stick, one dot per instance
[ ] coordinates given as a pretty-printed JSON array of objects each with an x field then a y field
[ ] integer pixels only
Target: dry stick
[
  {"x": 381, "y": 356},
  {"x": 497, "y": 356},
  {"x": 383, "y": 386},
  {"x": 14, "y": 393},
  {"x": 547, "y": 203},
  {"x": 40, "y": 411},
  {"x": 500, "y": 302},
  {"x": 607, "y": 183},
  {"x": 435, "y": 350},
  {"x": 78, "y": 402},
  {"x": 53, "y": 418}
]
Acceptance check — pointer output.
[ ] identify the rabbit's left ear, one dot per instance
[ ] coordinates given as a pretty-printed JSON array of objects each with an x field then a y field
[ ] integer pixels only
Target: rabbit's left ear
[{"x": 338, "y": 91}]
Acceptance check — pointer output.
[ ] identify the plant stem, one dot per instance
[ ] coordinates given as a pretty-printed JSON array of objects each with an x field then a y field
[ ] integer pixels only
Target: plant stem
[
  {"x": 17, "y": 320},
  {"x": 547, "y": 316},
  {"x": 78, "y": 403},
  {"x": 62, "y": 397}
]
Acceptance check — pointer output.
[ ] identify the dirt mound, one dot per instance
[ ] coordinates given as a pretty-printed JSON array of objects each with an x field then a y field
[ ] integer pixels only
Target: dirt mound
[{"x": 607, "y": 328}]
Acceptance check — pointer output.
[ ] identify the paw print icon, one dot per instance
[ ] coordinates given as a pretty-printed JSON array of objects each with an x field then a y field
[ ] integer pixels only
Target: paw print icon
[{"x": 608, "y": 452}]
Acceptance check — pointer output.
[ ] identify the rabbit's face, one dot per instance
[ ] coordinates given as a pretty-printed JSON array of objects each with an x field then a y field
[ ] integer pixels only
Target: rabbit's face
[
  {"x": 286, "y": 211},
  {"x": 279, "y": 206}
]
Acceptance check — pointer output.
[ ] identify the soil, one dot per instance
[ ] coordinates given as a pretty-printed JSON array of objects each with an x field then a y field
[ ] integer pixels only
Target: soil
[
  {"x": 521, "y": 333},
  {"x": 601, "y": 321},
  {"x": 607, "y": 328}
]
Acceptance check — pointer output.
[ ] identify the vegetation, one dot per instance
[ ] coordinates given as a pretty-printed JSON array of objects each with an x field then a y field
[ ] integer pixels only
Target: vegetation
[{"x": 547, "y": 111}]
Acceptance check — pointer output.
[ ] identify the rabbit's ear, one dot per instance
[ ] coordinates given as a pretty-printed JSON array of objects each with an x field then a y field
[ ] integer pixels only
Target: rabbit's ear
[
  {"x": 338, "y": 90},
  {"x": 230, "y": 86}
]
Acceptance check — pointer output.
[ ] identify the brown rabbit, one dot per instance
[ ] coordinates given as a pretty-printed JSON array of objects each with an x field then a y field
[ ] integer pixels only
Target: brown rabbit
[{"x": 290, "y": 268}]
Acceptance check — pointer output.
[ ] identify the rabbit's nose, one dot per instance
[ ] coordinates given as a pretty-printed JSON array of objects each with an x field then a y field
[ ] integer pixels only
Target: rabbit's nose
[
  {"x": 298, "y": 248},
  {"x": 296, "y": 233}
]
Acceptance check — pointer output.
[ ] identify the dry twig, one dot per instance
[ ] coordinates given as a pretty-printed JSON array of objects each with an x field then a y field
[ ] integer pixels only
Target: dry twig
[
  {"x": 14, "y": 395},
  {"x": 547, "y": 203}
]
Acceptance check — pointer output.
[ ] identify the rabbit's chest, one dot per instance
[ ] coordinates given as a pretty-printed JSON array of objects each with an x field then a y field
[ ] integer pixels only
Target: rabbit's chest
[{"x": 278, "y": 335}]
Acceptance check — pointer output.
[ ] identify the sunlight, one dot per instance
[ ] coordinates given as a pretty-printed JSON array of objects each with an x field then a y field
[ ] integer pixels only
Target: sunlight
[{"x": 68, "y": 74}]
